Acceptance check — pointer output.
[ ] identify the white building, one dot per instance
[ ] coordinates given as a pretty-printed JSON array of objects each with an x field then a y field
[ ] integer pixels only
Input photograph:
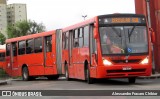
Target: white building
[
  {"x": 16, "y": 12},
  {"x": 3, "y": 17}
]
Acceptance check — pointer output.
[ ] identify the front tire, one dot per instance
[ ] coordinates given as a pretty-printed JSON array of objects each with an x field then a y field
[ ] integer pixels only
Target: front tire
[
  {"x": 25, "y": 74},
  {"x": 132, "y": 80}
]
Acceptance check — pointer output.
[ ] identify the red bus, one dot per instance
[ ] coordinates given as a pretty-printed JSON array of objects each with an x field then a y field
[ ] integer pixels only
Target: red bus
[
  {"x": 34, "y": 55},
  {"x": 2, "y": 59},
  {"x": 107, "y": 46}
]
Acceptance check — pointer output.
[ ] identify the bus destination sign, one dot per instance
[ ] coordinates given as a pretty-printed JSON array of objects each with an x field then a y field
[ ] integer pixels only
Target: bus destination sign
[
  {"x": 125, "y": 20},
  {"x": 119, "y": 20}
]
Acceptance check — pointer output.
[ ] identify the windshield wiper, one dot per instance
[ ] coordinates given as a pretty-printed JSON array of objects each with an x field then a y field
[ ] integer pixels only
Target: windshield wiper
[
  {"x": 132, "y": 31},
  {"x": 119, "y": 34}
]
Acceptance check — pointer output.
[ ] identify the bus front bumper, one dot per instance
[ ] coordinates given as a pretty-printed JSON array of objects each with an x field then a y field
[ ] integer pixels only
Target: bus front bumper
[{"x": 123, "y": 71}]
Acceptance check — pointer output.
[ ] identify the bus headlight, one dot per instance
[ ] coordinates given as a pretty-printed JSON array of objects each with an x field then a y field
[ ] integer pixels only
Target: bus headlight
[
  {"x": 106, "y": 62},
  {"x": 145, "y": 61}
]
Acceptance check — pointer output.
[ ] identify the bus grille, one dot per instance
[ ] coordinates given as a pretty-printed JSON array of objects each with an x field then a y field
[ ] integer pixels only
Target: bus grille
[
  {"x": 129, "y": 61},
  {"x": 124, "y": 71}
]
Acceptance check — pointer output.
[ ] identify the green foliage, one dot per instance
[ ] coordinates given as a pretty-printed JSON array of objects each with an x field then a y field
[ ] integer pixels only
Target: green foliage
[
  {"x": 24, "y": 28},
  {"x": 2, "y": 39}
]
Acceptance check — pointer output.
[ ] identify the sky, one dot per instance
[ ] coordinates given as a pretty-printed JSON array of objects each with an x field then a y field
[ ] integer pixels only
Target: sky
[{"x": 56, "y": 14}]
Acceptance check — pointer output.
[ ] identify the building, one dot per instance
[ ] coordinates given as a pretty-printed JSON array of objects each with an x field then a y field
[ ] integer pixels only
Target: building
[
  {"x": 3, "y": 17},
  {"x": 16, "y": 12}
]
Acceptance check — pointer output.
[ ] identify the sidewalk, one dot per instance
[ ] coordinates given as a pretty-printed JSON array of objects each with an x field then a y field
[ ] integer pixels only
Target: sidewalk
[{"x": 3, "y": 82}]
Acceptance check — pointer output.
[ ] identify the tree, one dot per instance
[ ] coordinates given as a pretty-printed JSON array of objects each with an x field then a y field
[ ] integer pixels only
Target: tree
[
  {"x": 35, "y": 27},
  {"x": 2, "y": 39},
  {"x": 22, "y": 28}
]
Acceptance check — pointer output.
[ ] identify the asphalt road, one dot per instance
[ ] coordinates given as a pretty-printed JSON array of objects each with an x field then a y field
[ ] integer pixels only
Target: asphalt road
[{"x": 62, "y": 84}]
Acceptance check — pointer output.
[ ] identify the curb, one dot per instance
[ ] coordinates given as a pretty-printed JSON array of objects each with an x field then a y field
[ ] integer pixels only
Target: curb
[
  {"x": 3, "y": 82},
  {"x": 149, "y": 77}
]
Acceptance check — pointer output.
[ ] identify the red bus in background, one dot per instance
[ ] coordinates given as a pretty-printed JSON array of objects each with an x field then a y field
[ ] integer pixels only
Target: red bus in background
[
  {"x": 107, "y": 46},
  {"x": 34, "y": 55},
  {"x": 2, "y": 59}
]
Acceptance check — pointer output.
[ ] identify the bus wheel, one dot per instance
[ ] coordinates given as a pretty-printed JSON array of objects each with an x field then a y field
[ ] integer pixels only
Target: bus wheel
[
  {"x": 25, "y": 74},
  {"x": 132, "y": 80},
  {"x": 67, "y": 73},
  {"x": 88, "y": 78}
]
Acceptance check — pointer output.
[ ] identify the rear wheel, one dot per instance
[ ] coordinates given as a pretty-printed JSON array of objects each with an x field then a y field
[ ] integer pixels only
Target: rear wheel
[
  {"x": 25, "y": 74},
  {"x": 87, "y": 77},
  {"x": 132, "y": 80},
  {"x": 67, "y": 73}
]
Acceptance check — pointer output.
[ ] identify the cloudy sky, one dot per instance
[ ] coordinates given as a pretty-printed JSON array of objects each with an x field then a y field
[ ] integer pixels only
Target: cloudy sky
[{"x": 61, "y": 13}]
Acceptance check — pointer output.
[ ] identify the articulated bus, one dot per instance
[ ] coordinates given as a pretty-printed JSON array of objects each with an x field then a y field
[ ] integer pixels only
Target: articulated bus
[
  {"x": 34, "y": 55},
  {"x": 107, "y": 46},
  {"x": 2, "y": 59}
]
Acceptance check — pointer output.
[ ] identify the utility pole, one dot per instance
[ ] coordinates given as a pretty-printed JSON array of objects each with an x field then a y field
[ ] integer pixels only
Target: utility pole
[{"x": 84, "y": 16}]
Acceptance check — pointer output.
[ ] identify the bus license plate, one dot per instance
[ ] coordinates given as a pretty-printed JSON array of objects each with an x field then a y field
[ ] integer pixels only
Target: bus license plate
[{"x": 127, "y": 68}]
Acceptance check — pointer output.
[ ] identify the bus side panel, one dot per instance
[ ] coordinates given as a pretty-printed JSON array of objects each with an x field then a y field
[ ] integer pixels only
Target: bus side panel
[
  {"x": 34, "y": 63},
  {"x": 82, "y": 56},
  {"x": 54, "y": 53},
  {"x": 15, "y": 69},
  {"x": 8, "y": 66}
]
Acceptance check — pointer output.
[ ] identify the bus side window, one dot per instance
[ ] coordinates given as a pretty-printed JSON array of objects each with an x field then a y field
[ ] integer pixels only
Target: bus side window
[
  {"x": 63, "y": 40},
  {"x": 86, "y": 36},
  {"x": 38, "y": 45},
  {"x": 21, "y": 47},
  {"x": 2, "y": 57},
  {"x": 80, "y": 35},
  {"x": 29, "y": 46},
  {"x": 8, "y": 49},
  {"x": 75, "y": 38},
  {"x": 14, "y": 48},
  {"x": 48, "y": 41}
]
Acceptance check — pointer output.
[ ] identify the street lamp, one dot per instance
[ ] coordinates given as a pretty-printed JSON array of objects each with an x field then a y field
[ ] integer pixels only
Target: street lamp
[{"x": 84, "y": 16}]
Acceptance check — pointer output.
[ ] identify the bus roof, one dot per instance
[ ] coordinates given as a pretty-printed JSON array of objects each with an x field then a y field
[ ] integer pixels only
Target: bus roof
[
  {"x": 92, "y": 20},
  {"x": 30, "y": 36}
]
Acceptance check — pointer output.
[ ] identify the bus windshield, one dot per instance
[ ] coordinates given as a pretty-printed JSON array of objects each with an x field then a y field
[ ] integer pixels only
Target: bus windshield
[{"x": 123, "y": 40}]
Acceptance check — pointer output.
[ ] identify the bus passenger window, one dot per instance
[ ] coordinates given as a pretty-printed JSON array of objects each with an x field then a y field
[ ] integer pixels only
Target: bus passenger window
[
  {"x": 48, "y": 43},
  {"x": 7, "y": 49},
  {"x": 86, "y": 36},
  {"x": 29, "y": 46},
  {"x": 21, "y": 48},
  {"x": 75, "y": 38},
  {"x": 2, "y": 57},
  {"x": 80, "y": 35},
  {"x": 14, "y": 48},
  {"x": 38, "y": 45}
]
